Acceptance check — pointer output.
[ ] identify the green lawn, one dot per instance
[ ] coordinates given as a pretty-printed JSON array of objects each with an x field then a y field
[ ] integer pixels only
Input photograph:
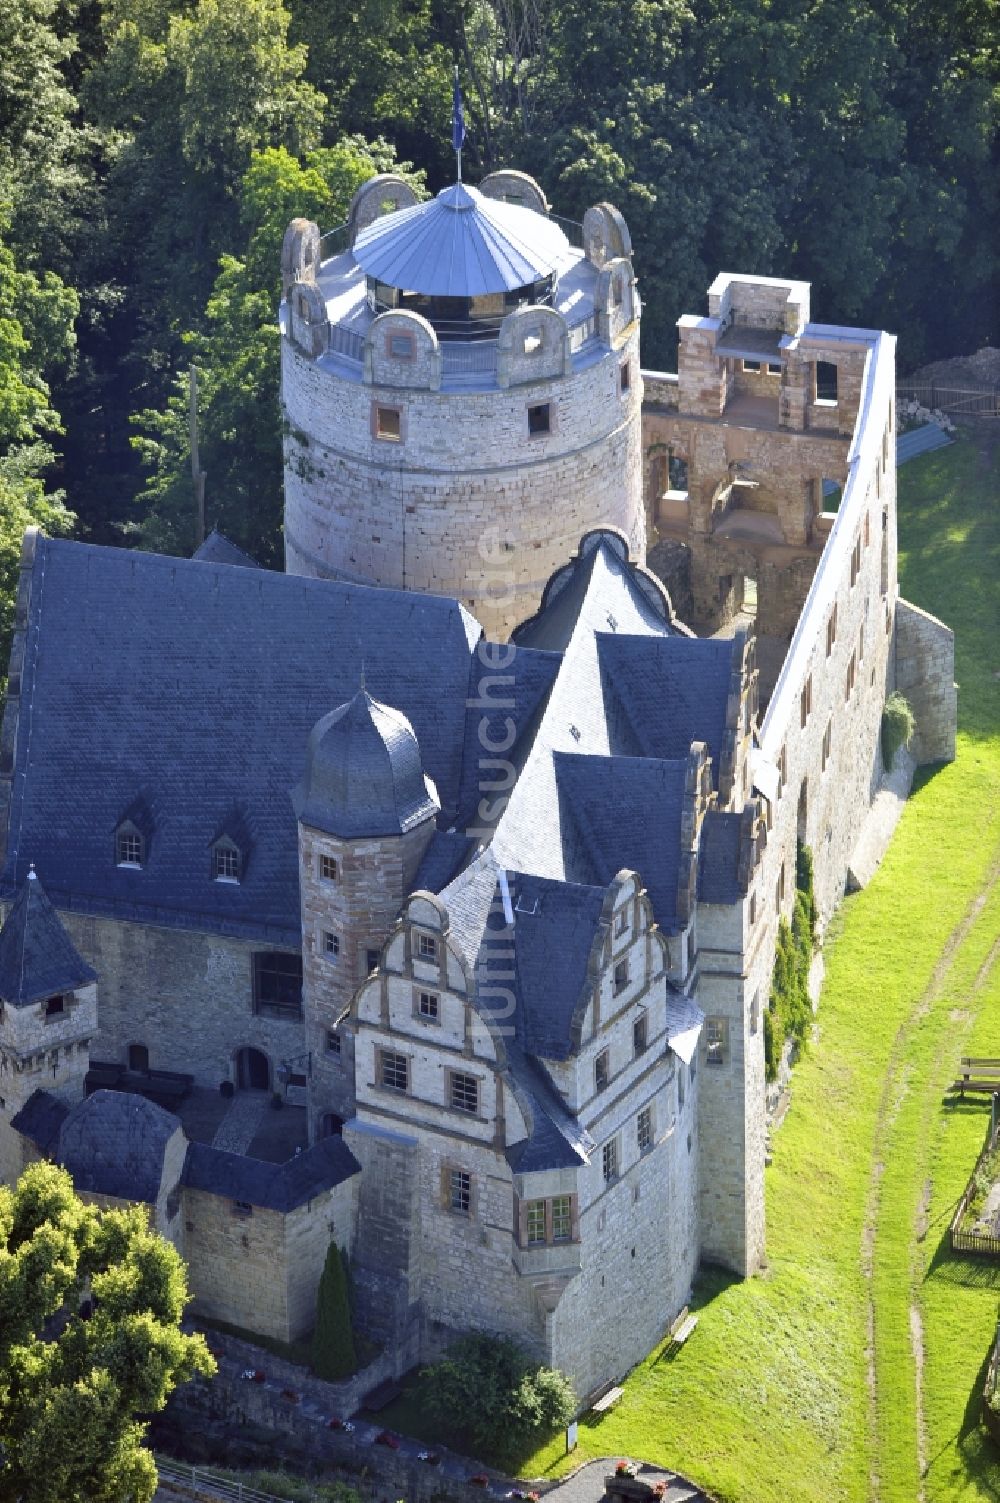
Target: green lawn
[{"x": 774, "y": 1397}]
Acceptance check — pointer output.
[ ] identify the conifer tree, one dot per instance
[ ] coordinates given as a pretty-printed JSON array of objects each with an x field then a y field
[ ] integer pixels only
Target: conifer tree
[{"x": 333, "y": 1356}]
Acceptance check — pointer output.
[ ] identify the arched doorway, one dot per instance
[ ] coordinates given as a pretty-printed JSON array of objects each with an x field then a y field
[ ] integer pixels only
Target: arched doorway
[
  {"x": 253, "y": 1070},
  {"x": 331, "y": 1125}
]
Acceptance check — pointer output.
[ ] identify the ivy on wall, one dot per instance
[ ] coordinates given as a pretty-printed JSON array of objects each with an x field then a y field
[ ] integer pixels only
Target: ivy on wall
[{"x": 789, "y": 1010}]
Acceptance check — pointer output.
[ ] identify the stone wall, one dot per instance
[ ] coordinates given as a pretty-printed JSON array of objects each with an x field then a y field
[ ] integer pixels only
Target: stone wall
[
  {"x": 187, "y": 996},
  {"x": 925, "y": 676},
  {"x": 468, "y": 503}
]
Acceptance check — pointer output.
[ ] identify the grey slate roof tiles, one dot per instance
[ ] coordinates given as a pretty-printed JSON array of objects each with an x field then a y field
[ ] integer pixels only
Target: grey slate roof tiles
[
  {"x": 37, "y": 957},
  {"x": 113, "y": 1143},
  {"x": 196, "y": 685},
  {"x": 665, "y": 692},
  {"x": 217, "y": 549},
  {"x": 273, "y": 1187},
  {"x": 718, "y": 858},
  {"x": 40, "y": 1120}
]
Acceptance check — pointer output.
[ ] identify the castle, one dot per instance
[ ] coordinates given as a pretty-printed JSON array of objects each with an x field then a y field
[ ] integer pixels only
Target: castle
[{"x": 454, "y": 840}]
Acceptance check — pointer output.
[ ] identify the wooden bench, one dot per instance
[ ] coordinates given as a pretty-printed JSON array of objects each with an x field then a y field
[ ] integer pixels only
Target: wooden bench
[
  {"x": 680, "y": 1330},
  {"x": 381, "y": 1396},
  {"x": 978, "y": 1075},
  {"x": 608, "y": 1399}
]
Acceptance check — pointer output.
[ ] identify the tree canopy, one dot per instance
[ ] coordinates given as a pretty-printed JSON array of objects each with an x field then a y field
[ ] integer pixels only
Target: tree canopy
[{"x": 71, "y": 1389}]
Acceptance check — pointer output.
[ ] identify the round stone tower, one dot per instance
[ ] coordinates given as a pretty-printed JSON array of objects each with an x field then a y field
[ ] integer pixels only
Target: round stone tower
[
  {"x": 461, "y": 392},
  {"x": 366, "y": 812}
]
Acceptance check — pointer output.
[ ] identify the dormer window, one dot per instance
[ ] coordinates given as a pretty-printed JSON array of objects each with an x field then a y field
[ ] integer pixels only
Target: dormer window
[
  {"x": 226, "y": 862},
  {"x": 55, "y": 1007},
  {"x": 130, "y": 847}
]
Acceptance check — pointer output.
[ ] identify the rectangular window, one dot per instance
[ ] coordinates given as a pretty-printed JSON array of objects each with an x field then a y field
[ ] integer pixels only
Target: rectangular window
[
  {"x": 532, "y": 342},
  {"x": 639, "y": 1034},
  {"x": 806, "y": 702},
  {"x": 609, "y": 1160},
  {"x": 562, "y": 1218},
  {"x": 753, "y": 909},
  {"x": 644, "y": 1129},
  {"x": 428, "y": 1006},
  {"x": 827, "y": 743},
  {"x": 328, "y": 868},
  {"x": 831, "y": 631},
  {"x": 463, "y": 1092},
  {"x": 394, "y": 1071},
  {"x": 401, "y": 346},
  {"x": 129, "y": 849},
  {"x": 535, "y": 1223},
  {"x": 855, "y": 562},
  {"x": 427, "y": 947},
  {"x": 621, "y": 922},
  {"x": 868, "y": 528},
  {"x": 226, "y": 864},
  {"x": 717, "y": 1041},
  {"x": 861, "y": 644},
  {"x": 852, "y": 673},
  {"x": 755, "y": 1013},
  {"x": 460, "y": 1191},
  {"x": 621, "y": 975},
  {"x": 540, "y": 418},
  {"x": 624, "y": 377},
  {"x": 334, "y": 1043},
  {"x": 331, "y": 944},
  {"x": 601, "y": 1071},
  {"x": 389, "y": 423},
  {"x": 752, "y": 367},
  {"x": 277, "y": 984},
  {"x": 55, "y": 1006},
  {"x": 782, "y": 769},
  {"x": 826, "y": 381},
  {"x": 242, "y": 1208},
  {"x": 371, "y": 961}
]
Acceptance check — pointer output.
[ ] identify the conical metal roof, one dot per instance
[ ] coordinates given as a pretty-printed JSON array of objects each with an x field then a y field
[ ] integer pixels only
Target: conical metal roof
[{"x": 461, "y": 244}]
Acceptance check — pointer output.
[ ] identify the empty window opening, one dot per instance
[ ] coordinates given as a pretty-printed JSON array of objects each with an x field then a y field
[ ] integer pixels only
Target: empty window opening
[
  {"x": 752, "y": 367},
  {"x": 624, "y": 377},
  {"x": 749, "y": 603},
  {"x": 55, "y": 1006},
  {"x": 389, "y": 423},
  {"x": 806, "y": 702},
  {"x": 533, "y": 341},
  {"x": 609, "y": 1160},
  {"x": 678, "y": 472},
  {"x": 601, "y": 1070},
  {"x": 826, "y": 381},
  {"x": 540, "y": 418},
  {"x": 855, "y": 562},
  {"x": 802, "y": 818},
  {"x": 371, "y": 961},
  {"x": 852, "y": 674},
  {"x": 138, "y": 1057},
  {"x": 831, "y": 631},
  {"x": 639, "y": 1028},
  {"x": 621, "y": 975},
  {"x": 827, "y": 743}
]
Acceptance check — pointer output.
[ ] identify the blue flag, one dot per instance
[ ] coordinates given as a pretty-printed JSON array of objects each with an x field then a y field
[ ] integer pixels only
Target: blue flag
[{"x": 457, "y": 118}]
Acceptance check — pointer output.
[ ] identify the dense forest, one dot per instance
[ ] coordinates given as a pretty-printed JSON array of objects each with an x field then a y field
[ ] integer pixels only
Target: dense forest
[{"x": 153, "y": 151}]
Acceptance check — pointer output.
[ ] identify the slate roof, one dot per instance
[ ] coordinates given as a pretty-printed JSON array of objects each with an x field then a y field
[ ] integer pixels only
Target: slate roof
[
  {"x": 555, "y": 926},
  {"x": 217, "y": 549},
  {"x": 113, "y": 1143},
  {"x": 446, "y": 853},
  {"x": 363, "y": 773},
  {"x": 623, "y": 812},
  {"x": 555, "y": 1139},
  {"x": 273, "y": 1187},
  {"x": 461, "y": 244},
  {"x": 37, "y": 957},
  {"x": 665, "y": 692},
  {"x": 195, "y": 684},
  {"x": 508, "y": 687},
  {"x": 40, "y": 1120},
  {"x": 718, "y": 858}
]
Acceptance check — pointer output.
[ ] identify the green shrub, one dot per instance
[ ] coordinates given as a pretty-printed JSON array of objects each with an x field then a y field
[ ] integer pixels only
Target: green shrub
[
  {"x": 497, "y": 1391},
  {"x": 897, "y": 727},
  {"x": 789, "y": 1010},
  {"x": 333, "y": 1356}
]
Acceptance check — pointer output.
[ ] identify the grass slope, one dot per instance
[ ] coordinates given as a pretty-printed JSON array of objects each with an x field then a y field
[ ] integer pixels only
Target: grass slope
[{"x": 774, "y": 1398}]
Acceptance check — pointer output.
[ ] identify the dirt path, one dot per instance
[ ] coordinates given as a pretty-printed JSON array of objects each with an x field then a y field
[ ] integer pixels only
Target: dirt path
[{"x": 894, "y": 1089}]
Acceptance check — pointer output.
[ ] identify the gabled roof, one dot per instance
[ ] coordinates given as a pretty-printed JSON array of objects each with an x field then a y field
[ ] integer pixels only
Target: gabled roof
[
  {"x": 217, "y": 549},
  {"x": 461, "y": 244},
  {"x": 37, "y": 957},
  {"x": 718, "y": 858},
  {"x": 623, "y": 812},
  {"x": 555, "y": 927},
  {"x": 273, "y": 1187},
  {"x": 194, "y": 684},
  {"x": 665, "y": 692}
]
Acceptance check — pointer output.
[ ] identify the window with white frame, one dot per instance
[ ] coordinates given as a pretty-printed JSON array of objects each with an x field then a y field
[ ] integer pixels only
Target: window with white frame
[
  {"x": 427, "y": 947},
  {"x": 429, "y": 1006},
  {"x": 331, "y": 944},
  {"x": 130, "y": 848},
  {"x": 226, "y": 862},
  {"x": 460, "y": 1191},
  {"x": 463, "y": 1091},
  {"x": 394, "y": 1071}
]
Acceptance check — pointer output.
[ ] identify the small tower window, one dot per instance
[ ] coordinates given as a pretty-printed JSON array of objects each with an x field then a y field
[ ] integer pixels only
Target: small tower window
[
  {"x": 625, "y": 377},
  {"x": 540, "y": 418},
  {"x": 331, "y": 945},
  {"x": 328, "y": 868},
  {"x": 55, "y": 1007}
]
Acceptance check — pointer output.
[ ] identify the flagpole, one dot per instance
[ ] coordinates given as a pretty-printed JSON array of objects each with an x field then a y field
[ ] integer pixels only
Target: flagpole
[{"x": 458, "y": 148}]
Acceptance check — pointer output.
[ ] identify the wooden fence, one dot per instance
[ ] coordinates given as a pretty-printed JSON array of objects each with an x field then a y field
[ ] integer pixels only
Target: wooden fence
[
  {"x": 957, "y": 401},
  {"x": 977, "y": 1242}
]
